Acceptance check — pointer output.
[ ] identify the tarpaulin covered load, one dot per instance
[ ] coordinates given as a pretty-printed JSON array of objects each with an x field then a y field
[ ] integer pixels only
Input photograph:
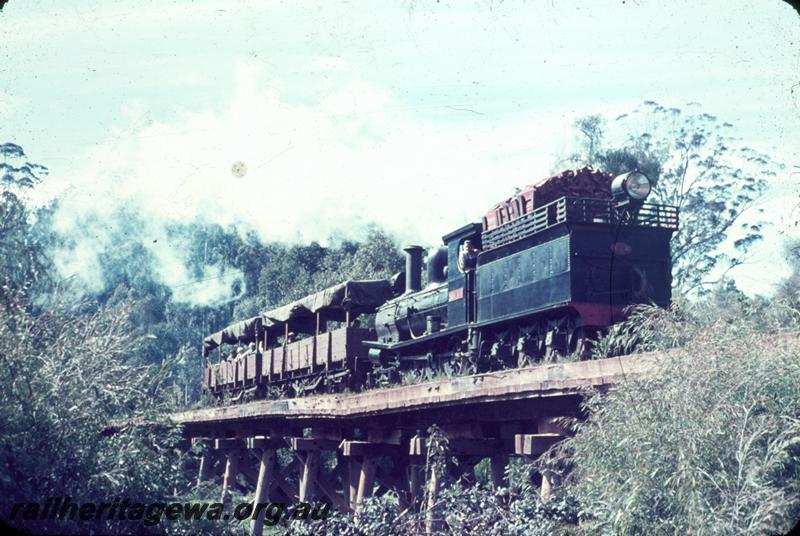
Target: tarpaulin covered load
[
  {"x": 332, "y": 303},
  {"x": 241, "y": 332}
]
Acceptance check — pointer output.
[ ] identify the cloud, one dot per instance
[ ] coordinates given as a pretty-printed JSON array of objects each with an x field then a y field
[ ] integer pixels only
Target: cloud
[
  {"x": 301, "y": 172},
  {"x": 9, "y": 104},
  {"x": 297, "y": 171}
]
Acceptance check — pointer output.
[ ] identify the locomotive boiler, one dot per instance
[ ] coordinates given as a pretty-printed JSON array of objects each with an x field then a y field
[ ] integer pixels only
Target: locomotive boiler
[{"x": 539, "y": 277}]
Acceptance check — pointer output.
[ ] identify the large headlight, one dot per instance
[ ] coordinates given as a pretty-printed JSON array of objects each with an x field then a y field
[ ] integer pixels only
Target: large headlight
[{"x": 634, "y": 185}]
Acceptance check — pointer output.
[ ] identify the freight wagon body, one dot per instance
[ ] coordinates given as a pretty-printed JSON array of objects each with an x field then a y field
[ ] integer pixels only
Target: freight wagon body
[{"x": 313, "y": 340}]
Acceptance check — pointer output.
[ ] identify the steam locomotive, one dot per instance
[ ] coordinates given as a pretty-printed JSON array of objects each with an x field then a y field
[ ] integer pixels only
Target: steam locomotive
[{"x": 540, "y": 277}]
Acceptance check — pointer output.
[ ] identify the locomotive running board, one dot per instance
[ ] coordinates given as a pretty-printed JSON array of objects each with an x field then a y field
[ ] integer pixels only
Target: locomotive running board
[
  {"x": 412, "y": 342},
  {"x": 463, "y": 327}
]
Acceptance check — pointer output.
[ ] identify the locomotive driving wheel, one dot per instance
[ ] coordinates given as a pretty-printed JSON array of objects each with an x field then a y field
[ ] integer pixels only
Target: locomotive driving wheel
[
  {"x": 580, "y": 342},
  {"x": 558, "y": 338}
]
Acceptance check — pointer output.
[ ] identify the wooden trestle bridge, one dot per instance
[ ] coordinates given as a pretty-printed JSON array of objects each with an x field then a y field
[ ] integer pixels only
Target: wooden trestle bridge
[{"x": 493, "y": 415}]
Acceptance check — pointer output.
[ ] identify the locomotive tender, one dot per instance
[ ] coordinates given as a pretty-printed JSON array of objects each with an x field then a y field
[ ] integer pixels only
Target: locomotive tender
[{"x": 542, "y": 275}]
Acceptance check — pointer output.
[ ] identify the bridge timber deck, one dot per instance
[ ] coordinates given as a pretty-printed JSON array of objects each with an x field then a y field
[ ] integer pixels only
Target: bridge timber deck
[
  {"x": 380, "y": 437},
  {"x": 531, "y": 383}
]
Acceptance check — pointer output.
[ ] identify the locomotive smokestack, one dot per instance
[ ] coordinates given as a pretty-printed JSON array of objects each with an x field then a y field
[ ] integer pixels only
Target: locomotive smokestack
[{"x": 413, "y": 268}]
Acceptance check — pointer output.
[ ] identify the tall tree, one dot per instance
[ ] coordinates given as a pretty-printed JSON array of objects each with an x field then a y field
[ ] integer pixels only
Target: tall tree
[
  {"x": 696, "y": 164},
  {"x": 23, "y": 259},
  {"x": 789, "y": 289}
]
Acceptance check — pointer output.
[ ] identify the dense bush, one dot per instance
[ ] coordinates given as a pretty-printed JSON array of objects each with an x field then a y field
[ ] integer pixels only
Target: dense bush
[
  {"x": 67, "y": 377},
  {"x": 710, "y": 444},
  {"x": 475, "y": 509}
]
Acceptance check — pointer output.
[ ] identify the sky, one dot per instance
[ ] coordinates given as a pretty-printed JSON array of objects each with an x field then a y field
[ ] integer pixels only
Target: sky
[{"x": 307, "y": 120}]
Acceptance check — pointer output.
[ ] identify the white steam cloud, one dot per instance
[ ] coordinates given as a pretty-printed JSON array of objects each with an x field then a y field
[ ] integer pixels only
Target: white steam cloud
[{"x": 299, "y": 172}]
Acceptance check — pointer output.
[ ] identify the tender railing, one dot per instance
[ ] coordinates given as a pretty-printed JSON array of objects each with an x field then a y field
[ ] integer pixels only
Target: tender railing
[{"x": 580, "y": 210}]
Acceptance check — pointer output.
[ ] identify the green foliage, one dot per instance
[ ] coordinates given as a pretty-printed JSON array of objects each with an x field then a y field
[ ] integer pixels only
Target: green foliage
[
  {"x": 293, "y": 272},
  {"x": 67, "y": 376},
  {"x": 697, "y": 165},
  {"x": 708, "y": 445},
  {"x": 23, "y": 231},
  {"x": 17, "y": 172},
  {"x": 480, "y": 510},
  {"x": 789, "y": 289},
  {"x": 378, "y": 516},
  {"x": 473, "y": 509},
  {"x": 265, "y": 275}
]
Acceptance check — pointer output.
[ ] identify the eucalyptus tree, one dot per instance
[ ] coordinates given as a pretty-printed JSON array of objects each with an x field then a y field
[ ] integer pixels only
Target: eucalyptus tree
[
  {"x": 24, "y": 234},
  {"x": 697, "y": 163}
]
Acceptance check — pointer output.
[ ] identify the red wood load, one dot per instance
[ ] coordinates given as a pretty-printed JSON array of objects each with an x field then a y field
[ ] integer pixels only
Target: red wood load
[{"x": 584, "y": 182}]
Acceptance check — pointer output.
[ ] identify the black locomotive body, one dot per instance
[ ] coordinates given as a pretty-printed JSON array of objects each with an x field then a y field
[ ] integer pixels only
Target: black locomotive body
[
  {"x": 533, "y": 293},
  {"x": 528, "y": 283}
]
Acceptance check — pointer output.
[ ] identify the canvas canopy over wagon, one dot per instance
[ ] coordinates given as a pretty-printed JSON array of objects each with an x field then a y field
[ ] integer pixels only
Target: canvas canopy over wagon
[
  {"x": 276, "y": 356},
  {"x": 341, "y": 302},
  {"x": 241, "y": 332}
]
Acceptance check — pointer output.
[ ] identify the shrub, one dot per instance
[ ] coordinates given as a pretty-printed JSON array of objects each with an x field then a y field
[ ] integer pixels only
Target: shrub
[
  {"x": 708, "y": 445},
  {"x": 67, "y": 377}
]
